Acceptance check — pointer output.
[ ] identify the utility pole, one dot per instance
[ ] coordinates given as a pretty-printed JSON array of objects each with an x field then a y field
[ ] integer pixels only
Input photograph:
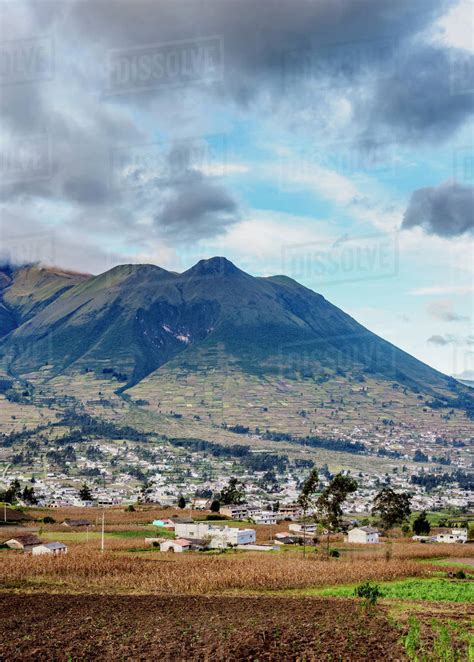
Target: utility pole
[{"x": 102, "y": 546}]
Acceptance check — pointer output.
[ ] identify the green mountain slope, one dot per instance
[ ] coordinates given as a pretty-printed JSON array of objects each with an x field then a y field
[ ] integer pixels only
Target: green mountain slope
[{"x": 134, "y": 319}]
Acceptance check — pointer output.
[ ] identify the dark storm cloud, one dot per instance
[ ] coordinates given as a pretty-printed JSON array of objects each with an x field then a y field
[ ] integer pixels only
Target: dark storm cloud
[
  {"x": 196, "y": 209},
  {"x": 429, "y": 95},
  {"x": 446, "y": 210},
  {"x": 280, "y": 45},
  {"x": 270, "y": 48}
]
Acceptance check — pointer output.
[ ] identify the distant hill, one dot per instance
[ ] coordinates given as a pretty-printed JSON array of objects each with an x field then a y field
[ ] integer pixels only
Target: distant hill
[{"x": 135, "y": 319}]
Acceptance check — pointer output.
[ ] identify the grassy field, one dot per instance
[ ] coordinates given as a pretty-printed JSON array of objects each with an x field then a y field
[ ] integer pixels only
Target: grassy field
[{"x": 435, "y": 589}]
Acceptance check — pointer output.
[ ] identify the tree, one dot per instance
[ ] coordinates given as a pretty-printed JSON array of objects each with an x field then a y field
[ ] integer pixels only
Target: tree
[
  {"x": 232, "y": 493},
  {"x": 13, "y": 493},
  {"x": 85, "y": 493},
  {"x": 306, "y": 499},
  {"x": 215, "y": 506},
  {"x": 29, "y": 496},
  {"x": 145, "y": 491},
  {"x": 392, "y": 507},
  {"x": 329, "y": 504},
  {"x": 421, "y": 525},
  {"x": 181, "y": 502}
]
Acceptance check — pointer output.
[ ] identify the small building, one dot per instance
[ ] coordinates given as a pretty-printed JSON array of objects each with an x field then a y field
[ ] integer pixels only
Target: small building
[
  {"x": 456, "y": 535},
  {"x": 289, "y": 511},
  {"x": 76, "y": 523},
  {"x": 25, "y": 543},
  {"x": 285, "y": 539},
  {"x": 164, "y": 523},
  {"x": 424, "y": 539},
  {"x": 265, "y": 517},
  {"x": 235, "y": 511},
  {"x": 303, "y": 528},
  {"x": 182, "y": 545},
  {"x": 363, "y": 535},
  {"x": 154, "y": 542},
  {"x": 55, "y": 548}
]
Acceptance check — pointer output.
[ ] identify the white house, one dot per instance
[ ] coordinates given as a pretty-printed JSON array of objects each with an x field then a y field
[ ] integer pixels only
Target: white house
[
  {"x": 55, "y": 548},
  {"x": 303, "y": 528},
  {"x": 363, "y": 534},
  {"x": 179, "y": 545},
  {"x": 265, "y": 517},
  {"x": 25, "y": 542},
  {"x": 456, "y": 535},
  {"x": 218, "y": 536}
]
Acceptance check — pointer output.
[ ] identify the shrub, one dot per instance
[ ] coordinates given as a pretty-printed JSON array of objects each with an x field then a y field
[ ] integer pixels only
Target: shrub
[
  {"x": 334, "y": 553},
  {"x": 370, "y": 592},
  {"x": 460, "y": 574},
  {"x": 48, "y": 520}
]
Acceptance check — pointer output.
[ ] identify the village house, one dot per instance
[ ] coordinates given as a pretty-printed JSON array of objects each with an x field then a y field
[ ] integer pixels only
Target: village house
[
  {"x": 55, "y": 548},
  {"x": 265, "y": 517},
  {"x": 182, "y": 545},
  {"x": 164, "y": 523},
  {"x": 303, "y": 528},
  {"x": 75, "y": 523},
  {"x": 456, "y": 535},
  {"x": 289, "y": 511},
  {"x": 25, "y": 542},
  {"x": 235, "y": 511},
  {"x": 363, "y": 534}
]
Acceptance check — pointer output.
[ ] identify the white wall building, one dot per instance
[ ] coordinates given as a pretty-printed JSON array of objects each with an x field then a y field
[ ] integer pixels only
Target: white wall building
[
  {"x": 219, "y": 536},
  {"x": 363, "y": 534},
  {"x": 456, "y": 535},
  {"x": 55, "y": 548}
]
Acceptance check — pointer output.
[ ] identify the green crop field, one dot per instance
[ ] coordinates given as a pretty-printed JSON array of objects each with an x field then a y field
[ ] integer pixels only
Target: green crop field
[{"x": 439, "y": 589}]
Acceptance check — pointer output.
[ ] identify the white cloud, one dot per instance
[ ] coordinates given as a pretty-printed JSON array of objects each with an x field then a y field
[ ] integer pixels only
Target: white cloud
[
  {"x": 456, "y": 27},
  {"x": 441, "y": 289}
]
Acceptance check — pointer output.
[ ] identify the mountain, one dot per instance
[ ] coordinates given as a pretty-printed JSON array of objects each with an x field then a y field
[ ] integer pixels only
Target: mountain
[{"x": 135, "y": 320}]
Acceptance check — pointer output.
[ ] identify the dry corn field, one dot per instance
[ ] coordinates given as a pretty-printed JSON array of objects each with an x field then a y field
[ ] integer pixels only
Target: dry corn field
[{"x": 87, "y": 570}]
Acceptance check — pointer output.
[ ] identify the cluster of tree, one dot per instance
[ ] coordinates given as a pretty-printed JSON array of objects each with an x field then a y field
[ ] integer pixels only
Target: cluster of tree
[
  {"x": 7, "y": 440},
  {"x": 392, "y": 508},
  {"x": 249, "y": 460},
  {"x": 237, "y": 429},
  {"x": 61, "y": 456},
  {"x": 385, "y": 452},
  {"x": 87, "y": 425},
  {"x": 119, "y": 376},
  {"x": 430, "y": 480},
  {"x": 445, "y": 460},
  {"x": 328, "y": 505},
  {"x": 419, "y": 456},
  {"x": 15, "y": 493},
  {"x": 342, "y": 445},
  {"x": 463, "y": 401},
  {"x": 233, "y": 492},
  {"x": 85, "y": 493}
]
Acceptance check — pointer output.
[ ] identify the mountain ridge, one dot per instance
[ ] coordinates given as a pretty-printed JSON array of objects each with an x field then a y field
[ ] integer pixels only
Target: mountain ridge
[{"x": 135, "y": 318}]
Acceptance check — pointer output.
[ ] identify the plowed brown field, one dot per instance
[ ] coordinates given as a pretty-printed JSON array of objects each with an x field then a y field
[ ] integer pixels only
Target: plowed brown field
[{"x": 107, "y": 627}]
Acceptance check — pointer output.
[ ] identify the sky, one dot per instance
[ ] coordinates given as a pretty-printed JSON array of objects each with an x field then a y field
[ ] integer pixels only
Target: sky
[{"x": 329, "y": 140}]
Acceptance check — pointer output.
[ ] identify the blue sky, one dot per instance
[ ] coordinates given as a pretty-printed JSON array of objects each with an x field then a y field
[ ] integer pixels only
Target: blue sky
[{"x": 329, "y": 141}]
